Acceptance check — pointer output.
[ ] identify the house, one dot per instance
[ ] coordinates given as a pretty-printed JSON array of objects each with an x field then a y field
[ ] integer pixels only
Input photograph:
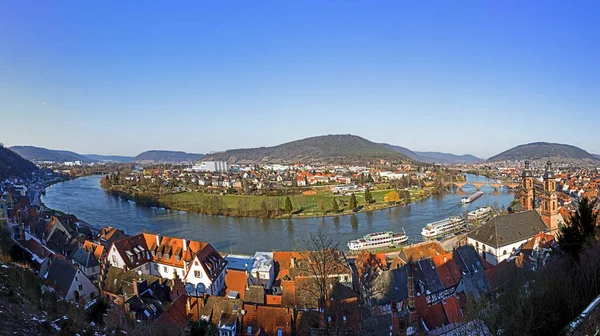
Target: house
[
  {"x": 36, "y": 254},
  {"x": 388, "y": 290},
  {"x": 417, "y": 252},
  {"x": 268, "y": 321},
  {"x": 193, "y": 261},
  {"x": 88, "y": 263},
  {"x": 108, "y": 235},
  {"x": 119, "y": 286},
  {"x": 225, "y": 313},
  {"x": 70, "y": 281},
  {"x": 502, "y": 235}
]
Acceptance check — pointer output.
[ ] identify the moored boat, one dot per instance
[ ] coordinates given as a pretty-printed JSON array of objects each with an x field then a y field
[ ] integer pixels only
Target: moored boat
[
  {"x": 378, "y": 240},
  {"x": 442, "y": 227}
]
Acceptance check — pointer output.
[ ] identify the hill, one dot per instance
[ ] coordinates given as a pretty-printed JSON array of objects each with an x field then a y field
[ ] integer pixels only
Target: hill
[
  {"x": 109, "y": 158},
  {"x": 448, "y": 158},
  {"x": 157, "y": 156},
  {"x": 540, "y": 150},
  {"x": 434, "y": 157},
  {"x": 39, "y": 154},
  {"x": 12, "y": 164},
  {"x": 339, "y": 148}
]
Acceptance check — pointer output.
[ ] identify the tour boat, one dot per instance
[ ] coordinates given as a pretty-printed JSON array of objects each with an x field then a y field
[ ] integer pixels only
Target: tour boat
[
  {"x": 471, "y": 197},
  {"x": 440, "y": 228},
  {"x": 479, "y": 213},
  {"x": 378, "y": 240}
]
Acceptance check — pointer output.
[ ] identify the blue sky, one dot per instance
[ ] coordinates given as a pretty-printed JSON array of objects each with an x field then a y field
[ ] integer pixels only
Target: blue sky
[{"x": 473, "y": 77}]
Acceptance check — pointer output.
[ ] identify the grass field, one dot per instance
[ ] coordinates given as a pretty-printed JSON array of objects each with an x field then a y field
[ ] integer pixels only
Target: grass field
[{"x": 303, "y": 205}]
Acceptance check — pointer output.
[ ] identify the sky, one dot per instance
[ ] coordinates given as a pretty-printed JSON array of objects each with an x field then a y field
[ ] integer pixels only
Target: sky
[{"x": 122, "y": 77}]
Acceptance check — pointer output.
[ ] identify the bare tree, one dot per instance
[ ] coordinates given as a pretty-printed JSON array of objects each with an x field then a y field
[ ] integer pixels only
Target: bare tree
[{"x": 320, "y": 264}]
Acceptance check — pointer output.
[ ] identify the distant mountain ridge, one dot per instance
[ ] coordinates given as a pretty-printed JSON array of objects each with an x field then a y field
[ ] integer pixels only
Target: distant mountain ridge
[
  {"x": 338, "y": 148},
  {"x": 435, "y": 157},
  {"x": 109, "y": 158},
  {"x": 158, "y": 156},
  {"x": 39, "y": 154},
  {"x": 449, "y": 158},
  {"x": 540, "y": 150},
  {"x": 13, "y": 165}
]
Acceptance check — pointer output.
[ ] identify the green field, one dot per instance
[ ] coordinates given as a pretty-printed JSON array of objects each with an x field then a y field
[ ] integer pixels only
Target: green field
[{"x": 303, "y": 205}]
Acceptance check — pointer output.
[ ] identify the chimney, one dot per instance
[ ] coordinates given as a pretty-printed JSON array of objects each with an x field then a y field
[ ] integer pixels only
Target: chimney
[
  {"x": 292, "y": 262},
  {"x": 158, "y": 240},
  {"x": 184, "y": 245}
]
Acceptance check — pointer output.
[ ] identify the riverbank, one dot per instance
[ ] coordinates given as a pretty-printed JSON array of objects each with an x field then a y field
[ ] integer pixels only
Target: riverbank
[{"x": 310, "y": 205}]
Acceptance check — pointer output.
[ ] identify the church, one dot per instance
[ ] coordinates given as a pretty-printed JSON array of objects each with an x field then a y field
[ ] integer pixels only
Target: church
[{"x": 497, "y": 239}]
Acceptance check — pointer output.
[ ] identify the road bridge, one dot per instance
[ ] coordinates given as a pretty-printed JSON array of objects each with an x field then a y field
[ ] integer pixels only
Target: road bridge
[{"x": 478, "y": 185}]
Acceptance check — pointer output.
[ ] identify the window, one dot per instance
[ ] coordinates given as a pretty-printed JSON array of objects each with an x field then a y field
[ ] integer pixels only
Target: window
[
  {"x": 165, "y": 269},
  {"x": 504, "y": 252},
  {"x": 147, "y": 266},
  {"x": 279, "y": 332},
  {"x": 249, "y": 331},
  {"x": 198, "y": 274},
  {"x": 114, "y": 259},
  {"x": 156, "y": 267},
  {"x": 80, "y": 287}
]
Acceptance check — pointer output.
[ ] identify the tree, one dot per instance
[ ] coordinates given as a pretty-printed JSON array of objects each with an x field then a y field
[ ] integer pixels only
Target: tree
[
  {"x": 581, "y": 229},
  {"x": 353, "y": 204},
  {"x": 322, "y": 206},
  {"x": 319, "y": 264},
  {"x": 392, "y": 197},
  {"x": 334, "y": 206},
  {"x": 368, "y": 196},
  {"x": 406, "y": 196},
  {"x": 288, "y": 205}
]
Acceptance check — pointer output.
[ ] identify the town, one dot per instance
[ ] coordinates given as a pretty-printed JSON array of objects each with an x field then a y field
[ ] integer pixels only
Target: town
[{"x": 150, "y": 283}]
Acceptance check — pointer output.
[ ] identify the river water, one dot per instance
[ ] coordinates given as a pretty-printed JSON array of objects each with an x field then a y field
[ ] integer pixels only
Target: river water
[{"x": 85, "y": 198}]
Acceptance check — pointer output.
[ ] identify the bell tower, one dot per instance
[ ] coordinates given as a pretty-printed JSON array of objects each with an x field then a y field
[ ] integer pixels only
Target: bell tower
[
  {"x": 549, "y": 210},
  {"x": 527, "y": 190}
]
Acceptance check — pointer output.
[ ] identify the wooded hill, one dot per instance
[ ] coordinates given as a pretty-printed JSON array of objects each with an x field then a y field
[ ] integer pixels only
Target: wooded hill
[
  {"x": 338, "y": 148},
  {"x": 540, "y": 150},
  {"x": 13, "y": 165}
]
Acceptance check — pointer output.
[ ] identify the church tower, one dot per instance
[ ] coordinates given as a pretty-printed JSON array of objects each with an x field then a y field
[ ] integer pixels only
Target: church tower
[
  {"x": 549, "y": 210},
  {"x": 526, "y": 195}
]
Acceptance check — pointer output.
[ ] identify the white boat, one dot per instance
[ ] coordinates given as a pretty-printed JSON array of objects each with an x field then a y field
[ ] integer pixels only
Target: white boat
[
  {"x": 471, "y": 197},
  {"x": 378, "y": 240},
  {"x": 442, "y": 227},
  {"x": 480, "y": 213}
]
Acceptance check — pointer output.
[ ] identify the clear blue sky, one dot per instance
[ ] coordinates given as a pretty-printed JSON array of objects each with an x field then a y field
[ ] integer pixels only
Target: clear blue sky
[{"x": 121, "y": 77}]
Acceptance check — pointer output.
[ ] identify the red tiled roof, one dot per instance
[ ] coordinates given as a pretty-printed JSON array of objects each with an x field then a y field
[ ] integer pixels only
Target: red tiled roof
[
  {"x": 453, "y": 312},
  {"x": 269, "y": 319},
  {"x": 175, "y": 316},
  {"x": 447, "y": 270},
  {"x": 434, "y": 316},
  {"x": 236, "y": 280},
  {"x": 96, "y": 249},
  {"x": 274, "y": 300}
]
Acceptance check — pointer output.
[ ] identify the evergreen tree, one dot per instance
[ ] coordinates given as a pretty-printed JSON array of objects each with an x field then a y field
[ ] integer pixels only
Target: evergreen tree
[
  {"x": 353, "y": 204},
  {"x": 581, "y": 229},
  {"x": 334, "y": 206},
  {"x": 368, "y": 196},
  {"x": 288, "y": 205}
]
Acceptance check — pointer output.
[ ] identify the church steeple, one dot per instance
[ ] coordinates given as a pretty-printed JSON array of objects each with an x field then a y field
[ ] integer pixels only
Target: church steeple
[
  {"x": 527, "y": 190},
  {"x": 549, "y": 210}
]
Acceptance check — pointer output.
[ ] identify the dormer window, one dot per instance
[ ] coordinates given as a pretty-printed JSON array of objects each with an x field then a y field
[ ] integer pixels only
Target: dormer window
[
  {"x": 167, "y": 256},
  {"x": 177, "y": 258}
]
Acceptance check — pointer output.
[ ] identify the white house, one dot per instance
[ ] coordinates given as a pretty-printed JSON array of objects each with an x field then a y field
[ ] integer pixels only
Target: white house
[
  {"x": 194, "y": 262},
  {"x": 504, "y": 234},
  {"x": 68, "y": 279}
]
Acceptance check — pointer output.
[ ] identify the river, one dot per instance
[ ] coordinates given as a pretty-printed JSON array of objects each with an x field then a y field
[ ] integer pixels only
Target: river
[{"x": 85, "y": 198}]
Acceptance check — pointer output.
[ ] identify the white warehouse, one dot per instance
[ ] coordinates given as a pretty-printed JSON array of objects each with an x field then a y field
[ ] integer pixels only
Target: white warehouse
[{"x": 212, "y": 166}]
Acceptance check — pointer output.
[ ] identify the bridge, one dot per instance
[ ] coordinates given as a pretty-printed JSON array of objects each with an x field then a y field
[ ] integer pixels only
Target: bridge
[{"x": 478, "y": 185}]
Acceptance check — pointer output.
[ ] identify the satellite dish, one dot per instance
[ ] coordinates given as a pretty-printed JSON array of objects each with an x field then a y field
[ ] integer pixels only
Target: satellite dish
[
  {"x": 139, "y": 272},
  {"x": 189, "y": 288},
  {"x": 200, "y": 288}
]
